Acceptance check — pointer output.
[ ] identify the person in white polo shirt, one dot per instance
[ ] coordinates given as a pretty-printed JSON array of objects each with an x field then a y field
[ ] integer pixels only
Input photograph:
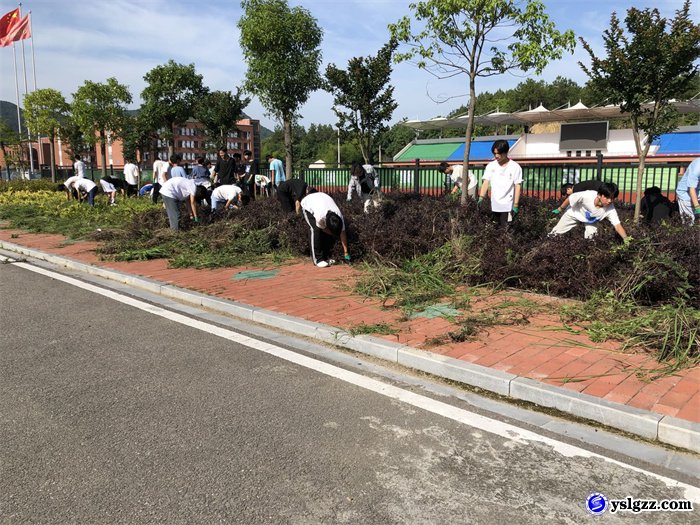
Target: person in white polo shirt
[
  {"x": 160, "y": 175},
  {"x": 230, "y": 194},
  {"x": 503, "y": 177},
  {"x": 177, "y": 190},
  {"x": 326, "y": 222},
  {"x": 589, "y": 208},
  {"x": 79, "y": 167},
  {"x": 81, "y": 184},
  {"x": 132, "y": 178}
]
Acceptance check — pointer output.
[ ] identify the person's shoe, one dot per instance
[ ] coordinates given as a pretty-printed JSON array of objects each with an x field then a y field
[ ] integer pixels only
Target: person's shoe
[
  {"x": 331, "y": 261},
  {"x": 322, "y": 264},
  {"x": 112, "y": 203}
]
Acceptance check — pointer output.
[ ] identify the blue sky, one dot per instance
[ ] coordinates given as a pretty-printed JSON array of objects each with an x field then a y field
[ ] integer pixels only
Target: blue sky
[{"x": 96, "y": 39}]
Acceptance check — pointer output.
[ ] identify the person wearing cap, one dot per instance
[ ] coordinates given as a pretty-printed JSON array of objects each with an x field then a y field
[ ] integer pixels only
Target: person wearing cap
[
  {"x": 453, "y": 177},
  {"x": 327, "y": 225}
]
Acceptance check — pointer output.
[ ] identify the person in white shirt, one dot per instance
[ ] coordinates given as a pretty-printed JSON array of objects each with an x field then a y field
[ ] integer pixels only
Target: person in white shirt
[
  {"x": 79, "y": 167},
  {"x": 81, "y": 184},
  {"x": 67, "y": 186},
  {"x": 589, "y": 208},
  {"x": 160, "y": 175},
  {"x": 230, "y": 194},
  {"x": 326, "y": 222},
  {"x": 177, "y": 190},
  {"x": 455, "y": 174},
  {"x": 504, "y": 178},
  {"x": 109, "y": 189},
  {"x": 132, "y": 178}
]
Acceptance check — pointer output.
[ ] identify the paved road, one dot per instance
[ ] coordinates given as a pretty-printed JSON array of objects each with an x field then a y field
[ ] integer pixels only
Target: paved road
[{"x": 110, "y": 414}]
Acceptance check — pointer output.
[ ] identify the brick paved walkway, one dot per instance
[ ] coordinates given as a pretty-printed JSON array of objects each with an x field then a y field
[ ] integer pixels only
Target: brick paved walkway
[{"x": 540, "y": 350}]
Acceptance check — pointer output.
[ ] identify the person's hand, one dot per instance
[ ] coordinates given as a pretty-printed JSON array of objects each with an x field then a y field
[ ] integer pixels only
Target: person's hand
[
  {"x": 628, "y": 239},
  {"x": 696, "y": 211},
  {"x": 346, "y": 257},
  {"x": 195, "y": 219},
  {"x": 349, "y": 199},
  {"x": 515, "y": 210},
  {"x": 478, "y": 202},
  {"x": 556, "y": 211}
]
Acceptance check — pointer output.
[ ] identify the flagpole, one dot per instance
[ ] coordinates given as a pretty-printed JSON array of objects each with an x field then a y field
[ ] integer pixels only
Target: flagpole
[
  {"x": 31, "y": 45},
  {"x": 19, "y": 118},
  {"x": 24, "y": 71}
]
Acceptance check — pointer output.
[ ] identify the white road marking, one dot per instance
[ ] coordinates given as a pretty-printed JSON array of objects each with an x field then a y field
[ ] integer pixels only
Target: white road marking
[
  {"x": 499, "y": 428},
  {"x": 5, "y": 259}
]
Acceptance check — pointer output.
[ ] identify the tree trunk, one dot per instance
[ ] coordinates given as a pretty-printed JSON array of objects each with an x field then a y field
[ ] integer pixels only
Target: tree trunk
[
  {"x": 642, "y": 154},
  {"x": 52, "y": 154},
  {"x": 468, "y": 140},
  {"x": 171, "y": 142},
  {"x": 103, "y": 152},
  {"x": 287, "y": 122}
]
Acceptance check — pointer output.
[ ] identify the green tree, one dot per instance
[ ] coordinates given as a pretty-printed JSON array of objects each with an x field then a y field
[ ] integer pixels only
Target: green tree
[
  {"x": 170, "y": 98},
  {"x": 138, "y": 137},
  {"x": 10, "y": 141},
  {"x": 73, "y": 136},
  {"x": 45, "y": 110},
  {"x": 395, "y": 139},
  {"x": 363, "y": 100},
  {"x": 99, "y": 110},
  {"x": 645, "y": 68},
  {"x": 219, "y": 111},
  {"x": 480, "y": 38},
  {"x": 281, "y": 46}
]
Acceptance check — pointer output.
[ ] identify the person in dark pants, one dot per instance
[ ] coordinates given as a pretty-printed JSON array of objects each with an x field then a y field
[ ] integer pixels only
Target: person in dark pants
[
  {"x": 290, "y": 193},
  {"x": 327, "y": 225},
  {"x": 249, "y": 171},
  {"x": 224, "y": 169},
  {"x": 177, "y": 190}
]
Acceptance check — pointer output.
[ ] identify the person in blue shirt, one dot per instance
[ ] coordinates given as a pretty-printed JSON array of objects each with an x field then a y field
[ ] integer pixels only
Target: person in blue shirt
[
  {"x": 687, "y": 193},
  {"x": 276, "y": 172},
  {"x": 175, "y": 169}
]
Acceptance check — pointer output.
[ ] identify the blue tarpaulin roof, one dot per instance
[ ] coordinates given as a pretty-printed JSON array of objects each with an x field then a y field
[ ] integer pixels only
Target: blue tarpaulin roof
[
  {"x": 678, "y": 143},
  {"x": 480, "y": 150}
]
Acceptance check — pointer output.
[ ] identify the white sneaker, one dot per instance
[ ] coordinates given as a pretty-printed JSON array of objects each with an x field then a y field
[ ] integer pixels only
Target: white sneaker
[
  {"x": 322, "y": 264},
  {"x": 331, "y": 261}
]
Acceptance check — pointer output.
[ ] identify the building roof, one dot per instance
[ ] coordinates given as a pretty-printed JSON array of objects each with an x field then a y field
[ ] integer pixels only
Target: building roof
[
  {"x": 678, "y": 143},
  {"x": 451, "y": 150},
  {"x": 541, "y": 114}
]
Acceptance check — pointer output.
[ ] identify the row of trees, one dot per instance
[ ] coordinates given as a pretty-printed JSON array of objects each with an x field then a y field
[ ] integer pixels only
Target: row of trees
[{"x": 98, "y": 112}]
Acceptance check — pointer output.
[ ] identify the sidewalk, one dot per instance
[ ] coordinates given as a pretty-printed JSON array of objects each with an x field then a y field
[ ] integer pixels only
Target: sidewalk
[{"x": 536, "y": 362}]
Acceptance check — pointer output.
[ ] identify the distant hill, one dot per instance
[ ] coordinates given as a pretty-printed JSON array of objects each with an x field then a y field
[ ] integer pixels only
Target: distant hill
[{"x": 8, "y": 114}]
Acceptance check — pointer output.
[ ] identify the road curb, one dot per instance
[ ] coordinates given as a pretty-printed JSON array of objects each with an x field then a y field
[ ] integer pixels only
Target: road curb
[{"x": 644, "y": 423}]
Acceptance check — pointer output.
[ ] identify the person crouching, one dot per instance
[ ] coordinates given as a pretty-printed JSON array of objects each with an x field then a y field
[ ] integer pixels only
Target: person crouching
[
  {"x": 326, "y": 222},
  {"x": 177, "y": 190}
]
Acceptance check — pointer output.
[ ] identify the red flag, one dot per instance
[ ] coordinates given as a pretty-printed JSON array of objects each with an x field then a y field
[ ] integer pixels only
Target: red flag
[
  {"x": 7, "y": 21},
  {"x": 18, "y": 31}
]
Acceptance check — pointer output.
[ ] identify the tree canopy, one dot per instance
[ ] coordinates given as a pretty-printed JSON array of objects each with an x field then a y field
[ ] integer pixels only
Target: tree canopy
[
  {"x": 281, "y": 46},
  {"x": 479, "y": 38},
  {"x": 363, "y": 98},
  {"x": 644, "y": 67},
  {"x": 98, "y": 109},
  {"x": 170, "y": 97},
  {"x": 45, "y": 111},
  {"x": 218, "y": 111}
]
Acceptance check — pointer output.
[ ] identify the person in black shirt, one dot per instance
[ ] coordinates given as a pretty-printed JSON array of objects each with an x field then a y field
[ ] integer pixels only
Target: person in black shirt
[
  {"x": 225, "y": 169},
  {"x": 290, "y": 192},
  {"x": 250, "y": 170}
]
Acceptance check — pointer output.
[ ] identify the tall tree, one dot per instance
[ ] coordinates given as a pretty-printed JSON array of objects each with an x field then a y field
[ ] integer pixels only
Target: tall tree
[
  {"x": 137, "y": 137},
  {"x": 99, "y": 111},
  {"x": 44, "y": 111},
  {"x": 170, "y": 97},
  {"x": 363, "y": 99},
  {"x": 480, "y": 38},
  {"x": 218, "y": 112},
  {"x": 73, "y": 136},
  {"x": 10, "y": 142},
  {"x": 281, "y": 46},
  {"x": 643, "y": 70}
]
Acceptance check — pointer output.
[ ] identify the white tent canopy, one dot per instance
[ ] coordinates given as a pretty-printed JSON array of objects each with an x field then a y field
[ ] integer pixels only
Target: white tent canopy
[{"x": 541, "y": 114}]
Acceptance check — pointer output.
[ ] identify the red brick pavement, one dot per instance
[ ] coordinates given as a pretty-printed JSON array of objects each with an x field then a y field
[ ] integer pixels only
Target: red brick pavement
[{"x": 540, "y": 350}]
